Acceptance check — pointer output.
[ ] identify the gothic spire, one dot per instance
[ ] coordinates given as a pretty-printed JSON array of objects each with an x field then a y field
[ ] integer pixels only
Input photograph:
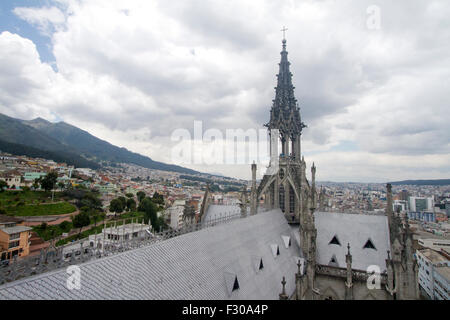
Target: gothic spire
[{"x": 285, "y": 113}]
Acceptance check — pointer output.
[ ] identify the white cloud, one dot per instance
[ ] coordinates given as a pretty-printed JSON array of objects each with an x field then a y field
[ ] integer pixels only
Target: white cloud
[
  {"x": 45, "y": 19},
  {"x": 132, "y": 72}
]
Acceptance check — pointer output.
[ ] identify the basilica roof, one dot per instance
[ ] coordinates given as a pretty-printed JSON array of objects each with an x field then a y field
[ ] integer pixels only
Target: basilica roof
[{"x": 245, "y": 258}]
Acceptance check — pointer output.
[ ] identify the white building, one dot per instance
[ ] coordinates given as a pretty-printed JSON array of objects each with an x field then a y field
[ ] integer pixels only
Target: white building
[
  {"x": 400, "y": 204},
  {"x": 12, "y": 180},
  {"x": 435, "y": 244},
  {"x": 441, "y": 276},
  {"x": 86, "y": 171},
  {"x": 113, "y": 235},
  {"x": 428, "y": 260},
  {"x": 175, "y": 212},
  {"x": 421, "y": 204}
]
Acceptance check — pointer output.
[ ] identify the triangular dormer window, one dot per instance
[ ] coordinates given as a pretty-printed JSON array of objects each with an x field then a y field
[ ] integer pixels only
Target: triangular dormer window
[
  {"x": 369, "y": 245},
  {"x": 333, "y": 261},
  {"x": 335, "y": 240},
  {"x": 261, "y": 265}
]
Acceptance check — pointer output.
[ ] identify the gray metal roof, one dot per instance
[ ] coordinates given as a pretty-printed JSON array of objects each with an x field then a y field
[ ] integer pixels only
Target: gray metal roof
[
  {"x": 355, "y": 229},
  {"x": 196, "y": 265}
]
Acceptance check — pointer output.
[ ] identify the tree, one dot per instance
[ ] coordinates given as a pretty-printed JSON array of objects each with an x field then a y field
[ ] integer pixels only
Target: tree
[
  {"x": 65, "y": 226},
  {"x": 158, "y": 198},
  {"x": 129, "y": 195},
  {"x": 161, "y": 223},
  {"x": 61, "y": 185},
  {"x": 95, "y": 217},
  {"x": 140, "y": 195},
  {"x": 81, "y": 220},
  {"x": 36, "y": 183},
  {"x": 124, "y": 201},
  {"x": 49, "y": 181},
  {"x": 90, "y": 200},
  {"x": 116, "y": 206},
  {"x": 149, "y": 209},
  {"x": 131, "y": 204},
  {"x": 3, "y": 185}
]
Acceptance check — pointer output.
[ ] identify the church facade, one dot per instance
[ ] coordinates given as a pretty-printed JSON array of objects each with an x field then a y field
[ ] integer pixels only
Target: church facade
[{"x": 343, "y": 256}]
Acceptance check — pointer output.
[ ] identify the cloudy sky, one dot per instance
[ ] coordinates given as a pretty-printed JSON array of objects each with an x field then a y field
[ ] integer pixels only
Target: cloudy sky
[{"x": 373, "y": 83}]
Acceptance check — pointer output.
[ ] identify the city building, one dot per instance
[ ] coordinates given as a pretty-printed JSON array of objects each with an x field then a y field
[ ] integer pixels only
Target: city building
[
  {"x": 400, "y": 205},
  {"x": 441, "y": 276},
  {"x": 13, "y": 180},
  {"x": 428, "y": 260},
  {"x": 14, "y": 238},
  {"x": 31, "y": 176},
  {"x": 115, "y": 235},
  {"x": 175, "y": 214},
  {"x": 435, "y": 244},
  {"x": 421, "y": 204},
  {"x": 422, "y": 216}
]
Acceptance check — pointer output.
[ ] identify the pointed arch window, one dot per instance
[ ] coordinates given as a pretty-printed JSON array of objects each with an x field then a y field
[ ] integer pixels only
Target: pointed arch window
[
  {"x": 281, "y": 197},
  {"x": 369, "y": 245},
  {"x": 335, "y": 240},
  {"x": 261, "y": 265},
  {"x": 291, "y": 199}
]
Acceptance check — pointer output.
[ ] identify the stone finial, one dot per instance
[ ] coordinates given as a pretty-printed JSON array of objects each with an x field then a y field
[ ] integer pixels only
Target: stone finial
[
  {"x": 348, "y": 248},
  {"x": 299, "y": 266},
  {"x": 283, "y": 295}
]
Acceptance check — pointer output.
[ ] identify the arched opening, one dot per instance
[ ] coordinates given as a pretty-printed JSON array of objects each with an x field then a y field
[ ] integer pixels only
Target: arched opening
[
  {"x": 291, "y": 199},
  {"x": 281, "y": 198}
]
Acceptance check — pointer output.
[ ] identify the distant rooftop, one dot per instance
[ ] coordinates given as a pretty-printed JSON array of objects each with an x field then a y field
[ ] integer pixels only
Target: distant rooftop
[
  {"x": 7, "y": 219},
  {"x": 16, "y": 229},
  {"x": 443, "y": 271},
  {"x": 433, "y": 256}
]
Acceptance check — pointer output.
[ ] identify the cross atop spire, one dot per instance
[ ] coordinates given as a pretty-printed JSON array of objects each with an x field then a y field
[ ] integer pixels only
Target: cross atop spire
[{"x": 284, "y": 32}]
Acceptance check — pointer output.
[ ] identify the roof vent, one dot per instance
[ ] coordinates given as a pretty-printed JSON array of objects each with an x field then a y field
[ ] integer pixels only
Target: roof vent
[
  {"x": 335, "y": 240},
  {"x": 333, "y": 261},
  {"x": 231, "y": 282},
  {"x": 286, "y": 241},
  {"x": 257, "y": 263},
  {"x": 369, "y": 245},
  {"x": 236, "y": 284},
  {"x": 275, "y": 250}
]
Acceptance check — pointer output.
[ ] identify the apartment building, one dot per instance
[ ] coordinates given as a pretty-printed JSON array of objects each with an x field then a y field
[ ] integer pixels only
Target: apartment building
[
  {"x": 433, "y": 276},
  {"x": 14, "y": 238}
]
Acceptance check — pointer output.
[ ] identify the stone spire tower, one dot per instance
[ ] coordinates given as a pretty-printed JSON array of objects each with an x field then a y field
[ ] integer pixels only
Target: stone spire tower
[
  {"x": 284, "y": 186},
  {"x": 401, "y": 264},
  {"x": 285, "y": 113}
]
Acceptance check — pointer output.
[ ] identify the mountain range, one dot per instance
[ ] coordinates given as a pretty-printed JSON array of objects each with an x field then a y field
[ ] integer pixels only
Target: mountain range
[{"x": 42, "y": 138}]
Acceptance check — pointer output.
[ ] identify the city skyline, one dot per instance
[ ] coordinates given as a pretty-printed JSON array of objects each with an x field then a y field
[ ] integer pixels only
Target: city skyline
[{"x": 373, "y": 95}]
